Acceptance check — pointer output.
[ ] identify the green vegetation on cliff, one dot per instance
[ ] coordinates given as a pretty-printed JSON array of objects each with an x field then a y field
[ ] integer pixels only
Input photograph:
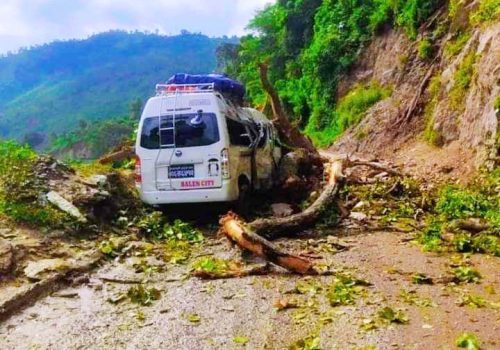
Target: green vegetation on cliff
[
  {"x": 349, "y": 111},
  {"x": 310, "y": 45},
  {"x": 97, "y": 138}
]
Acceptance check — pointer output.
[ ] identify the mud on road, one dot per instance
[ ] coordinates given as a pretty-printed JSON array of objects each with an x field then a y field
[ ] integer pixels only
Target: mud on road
[{"x": 242, "y": 312}]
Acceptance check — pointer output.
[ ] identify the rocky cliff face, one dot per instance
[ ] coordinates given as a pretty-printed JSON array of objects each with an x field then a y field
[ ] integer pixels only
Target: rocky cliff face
[{"x": 441, "y": 114}]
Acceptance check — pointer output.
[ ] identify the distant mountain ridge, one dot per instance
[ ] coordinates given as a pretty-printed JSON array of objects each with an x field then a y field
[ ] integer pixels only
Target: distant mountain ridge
[{"x": 48, "y": 89}]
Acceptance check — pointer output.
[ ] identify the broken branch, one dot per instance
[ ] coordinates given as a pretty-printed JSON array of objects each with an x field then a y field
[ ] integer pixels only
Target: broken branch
[
  {"x": 117, "y": 156},
  {"x": 375, "y": 165},
  {"x": 243, "y": 236}
]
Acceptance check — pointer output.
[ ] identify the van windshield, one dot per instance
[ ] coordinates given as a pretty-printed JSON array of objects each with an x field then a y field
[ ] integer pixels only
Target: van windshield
[{"x": 191, "y": 130}]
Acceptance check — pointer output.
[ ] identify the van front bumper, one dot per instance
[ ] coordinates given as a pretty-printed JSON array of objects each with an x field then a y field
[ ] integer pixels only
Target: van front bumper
[{"x": 227, "y": 193}]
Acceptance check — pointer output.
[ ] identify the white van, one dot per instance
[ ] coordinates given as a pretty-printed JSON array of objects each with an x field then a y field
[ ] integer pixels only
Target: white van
[{"x": 194, "y": 145}]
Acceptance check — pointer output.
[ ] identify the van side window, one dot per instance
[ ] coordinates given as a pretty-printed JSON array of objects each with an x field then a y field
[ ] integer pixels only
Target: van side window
[
  {"x": 263, "y": 140},
  {"x": 150, "y": 136},
  {"x": 235, "y": 130}
]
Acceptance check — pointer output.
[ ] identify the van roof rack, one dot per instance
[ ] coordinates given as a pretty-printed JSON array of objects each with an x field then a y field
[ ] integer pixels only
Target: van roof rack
[{"x": 166, "y": 89}]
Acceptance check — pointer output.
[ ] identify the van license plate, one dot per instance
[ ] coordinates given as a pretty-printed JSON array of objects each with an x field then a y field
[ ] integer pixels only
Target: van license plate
[{"x": 181, "y": 171}]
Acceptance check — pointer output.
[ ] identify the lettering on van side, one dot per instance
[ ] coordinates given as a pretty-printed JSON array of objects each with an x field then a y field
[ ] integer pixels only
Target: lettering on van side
[{"x": 196, "y": 183}]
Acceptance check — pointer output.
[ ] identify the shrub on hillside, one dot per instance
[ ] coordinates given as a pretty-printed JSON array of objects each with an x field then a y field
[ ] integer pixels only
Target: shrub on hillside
[
  {"x": 20, "y": 188},
  {"x": 462, "y": 80},
  {"x": 488, "y": 12},
  {"x": 350, "y": 111}
]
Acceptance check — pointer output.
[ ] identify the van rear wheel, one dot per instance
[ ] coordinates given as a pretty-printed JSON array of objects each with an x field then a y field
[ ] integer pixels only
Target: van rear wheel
[{"x": 243, "y": 203}]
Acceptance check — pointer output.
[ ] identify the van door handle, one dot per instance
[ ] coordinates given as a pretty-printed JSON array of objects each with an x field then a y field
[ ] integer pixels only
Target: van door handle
[{"x": 187, "y": 161}]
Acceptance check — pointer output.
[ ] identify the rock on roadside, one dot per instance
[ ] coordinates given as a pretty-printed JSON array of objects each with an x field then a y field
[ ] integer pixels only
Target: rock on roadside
[
  {"x": 6, "y": 257},
  {"x": 358, "y": 216},
  {"x": 281, "y": 209},
  {"x": 35, "y": 270},
  {"x": 66, "y": 206}
]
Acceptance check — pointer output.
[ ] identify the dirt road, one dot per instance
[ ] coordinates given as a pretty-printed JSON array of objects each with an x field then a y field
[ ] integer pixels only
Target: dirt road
[{"x": 240, "y": 313}]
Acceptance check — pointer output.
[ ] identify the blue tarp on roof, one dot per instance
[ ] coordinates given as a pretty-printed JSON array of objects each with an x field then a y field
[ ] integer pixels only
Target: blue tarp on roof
[{"x": 222, "y": 83}]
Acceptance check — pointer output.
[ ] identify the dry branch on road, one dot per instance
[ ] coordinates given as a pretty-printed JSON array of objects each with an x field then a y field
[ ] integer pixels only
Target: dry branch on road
[
  {"x": 374, "y": 165},
  {"x": 239, "y": 233}
]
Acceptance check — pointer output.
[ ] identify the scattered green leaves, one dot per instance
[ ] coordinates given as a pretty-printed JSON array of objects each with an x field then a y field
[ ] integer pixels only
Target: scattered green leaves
[
  {"x": 479, "y": 202},
  {"x": 430, "y": 238},
  {"x": 108, "y": 248},
  {"x": 182, "y": 231},
  {"x": 344, "y": 290},
  {"x": 240, "y": 339},
  {"x": 412, "y": 298},
  {"x": 193, "y": 318},
  {"x": 389, "y": 315},
  {"x": 215, "y": 266},
  {"x": 307, "y": 286},
  {"x": 311, "y": 342},
  {"x": 471, "y": 300},
  {"x": 154, "y": 226},
  {"x": 468, "y": 341},
  {"x": 177, "y": 252},
  {"x": 421, "y": 278},
  {"x": 142, "y": 295},
  {"x": 465, "y": 274}
]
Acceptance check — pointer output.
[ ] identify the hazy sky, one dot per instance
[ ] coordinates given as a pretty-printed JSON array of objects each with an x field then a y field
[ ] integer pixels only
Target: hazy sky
[{"x": 29, "y": 22}]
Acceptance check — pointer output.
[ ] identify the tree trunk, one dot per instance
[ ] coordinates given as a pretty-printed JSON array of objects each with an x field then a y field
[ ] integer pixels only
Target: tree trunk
[
  {"x": 243, "y": 236},
  {"x": 270, "y": 227},
  {"x": 290, "y": 134}
]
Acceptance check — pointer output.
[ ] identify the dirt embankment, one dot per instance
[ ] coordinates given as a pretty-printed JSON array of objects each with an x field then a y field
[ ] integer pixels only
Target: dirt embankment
[{"x": 440, "y": 120}]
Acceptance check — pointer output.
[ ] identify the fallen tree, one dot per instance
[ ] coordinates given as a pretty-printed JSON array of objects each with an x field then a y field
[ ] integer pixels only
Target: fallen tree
[
  {"x": 270, "y": 227},
  {"x": 247, "y": 237}
]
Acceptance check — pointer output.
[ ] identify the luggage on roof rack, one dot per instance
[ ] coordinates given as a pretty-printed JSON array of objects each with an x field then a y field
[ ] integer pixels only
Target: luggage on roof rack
[{"x": 230, "y": 88}]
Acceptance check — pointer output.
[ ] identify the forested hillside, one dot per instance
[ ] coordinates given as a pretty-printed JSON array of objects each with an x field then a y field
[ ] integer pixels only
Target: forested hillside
[
  {"x": 48, "y": 89},
  {"x": 313, "y": 46}
]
